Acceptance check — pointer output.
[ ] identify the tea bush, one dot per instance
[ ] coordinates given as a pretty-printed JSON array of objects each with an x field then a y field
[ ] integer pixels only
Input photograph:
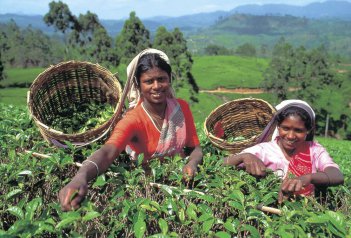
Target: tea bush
[{"x": 220, "y": 201}]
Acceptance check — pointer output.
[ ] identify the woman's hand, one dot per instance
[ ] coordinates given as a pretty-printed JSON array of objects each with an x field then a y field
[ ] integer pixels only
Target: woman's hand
[
  {"x": 73, "y": 194},
  {"x": 189, "y": 170},
  {"x": 291, "y": 185},
  {"x": 254, "y": 165}
]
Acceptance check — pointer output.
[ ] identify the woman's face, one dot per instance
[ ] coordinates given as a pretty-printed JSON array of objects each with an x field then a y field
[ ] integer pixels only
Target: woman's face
[
  {"x": 292, "y": 132},
  {"x": 154, "y": 85}
]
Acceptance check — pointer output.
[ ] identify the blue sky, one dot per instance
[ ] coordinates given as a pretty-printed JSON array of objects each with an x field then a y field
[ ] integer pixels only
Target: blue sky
[{"x": 120, "y": 9}]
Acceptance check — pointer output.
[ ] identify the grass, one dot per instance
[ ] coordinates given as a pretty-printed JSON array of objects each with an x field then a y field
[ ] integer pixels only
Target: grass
[
  {"x": 14, "y": 96},
  {"x": 339, "y": 150},
  {"x": 212, "y": 72},
  {"x": 19, "y": 76}
]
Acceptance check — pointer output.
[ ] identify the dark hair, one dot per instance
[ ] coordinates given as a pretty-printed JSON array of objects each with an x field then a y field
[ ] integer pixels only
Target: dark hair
[
  {"x": 149, "y": 61},
  {"x": 303, "y": 114}
]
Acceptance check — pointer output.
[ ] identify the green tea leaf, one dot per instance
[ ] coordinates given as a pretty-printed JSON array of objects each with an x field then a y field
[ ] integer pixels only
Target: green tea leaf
[
  {"x": 31, "y": 208},
  {"x": 190, "y": 211},
  {"x": 207, "y": 225},
  {"x": 148, "y": 207},
  {"x": 338, "y": 220},
  {"x": 181, "y": 215},
  {"x": 335, "y": 231},
  {"x": 167, "y": 190},
  {"x": 67, "y": 222},
  {"x": 139, "y": 228},
  {"x": 155, "y": 205},
  {"x": 100, "y": 181},
  {"x": 230, "y": 226},
  {"x": 253, "y": 231},
  {"x": 222, "y": 234},
  {"x": 318, "y": 219},
  {"x": 204, "y": 208},
  {"x": 16, "y": 211},
  {"x": 237, "y": 195},
  {"x": 13, "y": 193},
  {"x": 45, "y": 227},
  {"x": 205, "y": 217},
  {"x": 90, "y": 215},
  {"x": 236, "y": 205},
  {"x": 208, "y": 198},
  {"x": 163, "y": 225}
]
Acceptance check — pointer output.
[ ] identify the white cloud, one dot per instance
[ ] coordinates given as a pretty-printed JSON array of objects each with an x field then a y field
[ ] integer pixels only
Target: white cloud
[{"x": 208, "y": 8}]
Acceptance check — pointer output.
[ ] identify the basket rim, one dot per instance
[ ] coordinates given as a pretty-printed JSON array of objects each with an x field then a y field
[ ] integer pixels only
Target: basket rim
[
  {"x": 216, "y": 140},
  {"x": 52, "y": 68}
]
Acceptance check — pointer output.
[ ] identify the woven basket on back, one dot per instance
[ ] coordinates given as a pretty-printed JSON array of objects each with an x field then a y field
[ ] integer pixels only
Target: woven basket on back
[
  {"x": 73, "y": 82},
  {"x": 243, "y": 119}
]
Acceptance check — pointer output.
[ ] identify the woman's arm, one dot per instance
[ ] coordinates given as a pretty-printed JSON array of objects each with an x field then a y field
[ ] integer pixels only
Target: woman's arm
[
  {"x": 74, "y": 192},
  {"x": 331, "y": 176},
  {"x": 192, "y": 142},
  {"x": 335, "y": 177},
  {"x": 252, "y": 164},
  {"x": 195, "y": 158}
]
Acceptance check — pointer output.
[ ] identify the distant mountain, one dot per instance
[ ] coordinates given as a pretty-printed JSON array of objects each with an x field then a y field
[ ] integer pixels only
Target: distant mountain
[
  {"x": 329, "y": 9},
  {"x": 190, "y": 23},
  {"x": 36, "y": 21},
  {"x": 327, "y": 23},
  {"x": 186, "y": 23}
]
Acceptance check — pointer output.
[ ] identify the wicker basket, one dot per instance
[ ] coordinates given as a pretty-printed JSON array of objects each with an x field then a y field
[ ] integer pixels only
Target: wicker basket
[
  {"x": 73, "y": 82},
  {"x": 245, "y": 118}
]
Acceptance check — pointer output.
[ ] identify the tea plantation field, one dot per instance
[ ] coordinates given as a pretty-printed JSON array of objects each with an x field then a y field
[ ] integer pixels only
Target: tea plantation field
[{"x": 123, "y": 203}]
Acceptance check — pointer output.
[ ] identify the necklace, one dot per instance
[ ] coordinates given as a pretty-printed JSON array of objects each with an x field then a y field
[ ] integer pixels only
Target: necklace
[{"x": 154, "y": 117}]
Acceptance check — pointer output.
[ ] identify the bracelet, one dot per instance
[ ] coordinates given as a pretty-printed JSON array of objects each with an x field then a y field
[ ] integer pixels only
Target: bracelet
[
  {"x": 327, "y": 177},
  {"x": 96, "y": 166}
]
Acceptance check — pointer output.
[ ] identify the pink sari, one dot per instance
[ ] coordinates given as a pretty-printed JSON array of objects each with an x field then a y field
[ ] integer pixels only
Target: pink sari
[{"x": 173, "y": 132}]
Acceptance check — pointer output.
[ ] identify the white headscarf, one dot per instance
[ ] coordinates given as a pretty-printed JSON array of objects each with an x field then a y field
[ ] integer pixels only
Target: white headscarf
[
  {"x": 133, "y": 91},
  {"x": 294, "y": 102}
]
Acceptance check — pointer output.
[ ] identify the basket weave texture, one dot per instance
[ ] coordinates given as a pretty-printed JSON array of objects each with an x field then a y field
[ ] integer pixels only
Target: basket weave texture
[
  {"x": 73, "y": 82},
  {"x": 246, "y": 117}
]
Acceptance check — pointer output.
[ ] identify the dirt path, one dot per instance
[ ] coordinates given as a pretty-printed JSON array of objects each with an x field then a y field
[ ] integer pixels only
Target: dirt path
[
  {"x": 235, "y": 90},
  {"x": 241, "y": 90}
]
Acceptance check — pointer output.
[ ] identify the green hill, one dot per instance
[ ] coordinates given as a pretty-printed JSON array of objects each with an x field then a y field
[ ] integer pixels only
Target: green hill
[{"x": 264, "y": 31}]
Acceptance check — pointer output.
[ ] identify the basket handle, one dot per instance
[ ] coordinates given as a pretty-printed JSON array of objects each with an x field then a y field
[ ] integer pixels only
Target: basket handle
[
  {"x": 109, "y": 92},
  {"x": 121, "y": 103}
]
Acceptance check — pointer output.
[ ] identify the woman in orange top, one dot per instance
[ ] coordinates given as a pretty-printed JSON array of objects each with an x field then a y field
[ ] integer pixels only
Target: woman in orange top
[{"x": 157, "y": 126}]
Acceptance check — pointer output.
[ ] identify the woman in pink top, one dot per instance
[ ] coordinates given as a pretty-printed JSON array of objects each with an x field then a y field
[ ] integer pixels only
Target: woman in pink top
[{"x": 292, "y": 153}]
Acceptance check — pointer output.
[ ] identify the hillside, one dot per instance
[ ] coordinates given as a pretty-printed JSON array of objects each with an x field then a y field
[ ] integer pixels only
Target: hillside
[
  {"x": 264, "y": 31},
  {"x": 189, "y": 23}
]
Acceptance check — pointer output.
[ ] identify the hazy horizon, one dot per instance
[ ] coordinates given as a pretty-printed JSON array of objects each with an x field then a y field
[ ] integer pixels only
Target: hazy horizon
[{"x": 120, "y": 9}]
